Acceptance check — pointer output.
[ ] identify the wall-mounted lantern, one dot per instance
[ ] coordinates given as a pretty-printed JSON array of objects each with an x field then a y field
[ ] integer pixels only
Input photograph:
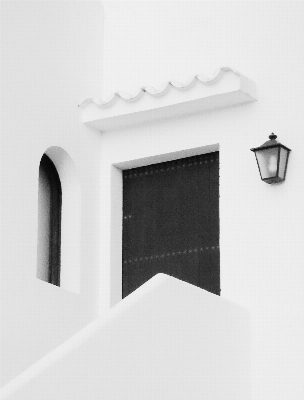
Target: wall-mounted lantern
[{"x": 272, "y": 159}]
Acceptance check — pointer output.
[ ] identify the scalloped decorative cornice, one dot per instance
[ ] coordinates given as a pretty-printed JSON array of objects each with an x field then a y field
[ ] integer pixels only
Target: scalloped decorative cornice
[
  {"x": 227, "y": 87},
  {"x": 161, "y": 91}
]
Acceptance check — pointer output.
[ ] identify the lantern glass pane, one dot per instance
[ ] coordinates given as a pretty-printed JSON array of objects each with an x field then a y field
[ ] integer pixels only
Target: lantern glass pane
[
  {"x": 283, "y": 160},
  {"x": 268, "y": 162}
]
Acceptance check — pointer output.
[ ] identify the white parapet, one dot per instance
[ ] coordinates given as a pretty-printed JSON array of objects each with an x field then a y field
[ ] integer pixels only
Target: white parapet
[
  {"x": 226, "y": 88},
  {"x": 166, "y": 340}
]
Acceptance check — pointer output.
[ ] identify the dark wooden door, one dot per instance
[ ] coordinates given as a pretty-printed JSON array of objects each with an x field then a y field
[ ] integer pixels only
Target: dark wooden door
[{"x": 171, "y": 222}]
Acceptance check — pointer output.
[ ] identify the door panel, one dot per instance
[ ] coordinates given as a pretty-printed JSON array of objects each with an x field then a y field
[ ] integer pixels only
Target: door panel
[{"x": 171, "y": 222}]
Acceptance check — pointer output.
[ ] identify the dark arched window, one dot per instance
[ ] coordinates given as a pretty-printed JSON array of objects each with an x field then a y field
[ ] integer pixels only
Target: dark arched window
[{"x": 49, "y": 222}]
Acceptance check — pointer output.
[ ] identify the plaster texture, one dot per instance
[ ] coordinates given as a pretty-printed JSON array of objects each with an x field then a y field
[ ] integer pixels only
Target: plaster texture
[
  {"x": 54, "y": 59},
  {"x": 163, "y": 341},
  {"x": 261, "y": 226},
  {"x": 51, "y": 56}
]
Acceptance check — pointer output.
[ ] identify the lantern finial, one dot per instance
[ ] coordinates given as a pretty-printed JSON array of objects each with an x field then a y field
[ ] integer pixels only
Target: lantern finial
[{"x": 272, "y": 136}]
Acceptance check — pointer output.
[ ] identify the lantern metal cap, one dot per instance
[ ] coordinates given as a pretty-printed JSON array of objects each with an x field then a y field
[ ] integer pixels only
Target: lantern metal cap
[{"x": 270, "y": 143}]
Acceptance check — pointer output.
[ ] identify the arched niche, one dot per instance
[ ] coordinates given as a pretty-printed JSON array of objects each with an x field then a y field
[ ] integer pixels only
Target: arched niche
[{"x": 70, "y": 221}]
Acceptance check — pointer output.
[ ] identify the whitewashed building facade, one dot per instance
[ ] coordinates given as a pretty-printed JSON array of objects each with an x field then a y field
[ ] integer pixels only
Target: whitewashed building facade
[{"x": 81, "y": 82}]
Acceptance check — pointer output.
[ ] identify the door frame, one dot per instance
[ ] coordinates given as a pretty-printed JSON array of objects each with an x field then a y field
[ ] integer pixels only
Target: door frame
[{"x": 117, "y": 206}]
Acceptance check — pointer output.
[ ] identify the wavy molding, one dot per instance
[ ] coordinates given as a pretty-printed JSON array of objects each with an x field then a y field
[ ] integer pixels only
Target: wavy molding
[
  {"x": 158, "y": 92},
  {"x": 227, "y": 87}
]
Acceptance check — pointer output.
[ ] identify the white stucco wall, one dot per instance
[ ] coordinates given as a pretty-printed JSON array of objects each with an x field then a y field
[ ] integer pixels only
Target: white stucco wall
[
  {"x": 53, "y": 61},
  {"x": 261, "y": 225},
  {"x": 51, "y": 57},
  {"x": 164, "y": 341}
]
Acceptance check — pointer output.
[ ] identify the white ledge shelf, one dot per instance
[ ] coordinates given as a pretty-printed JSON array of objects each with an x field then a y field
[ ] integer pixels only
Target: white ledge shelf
[{"x": 226, "y": 88}]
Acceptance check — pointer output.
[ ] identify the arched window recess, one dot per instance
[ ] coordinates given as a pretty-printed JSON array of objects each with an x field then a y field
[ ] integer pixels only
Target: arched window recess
[{"x": 49, "y": 222}]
